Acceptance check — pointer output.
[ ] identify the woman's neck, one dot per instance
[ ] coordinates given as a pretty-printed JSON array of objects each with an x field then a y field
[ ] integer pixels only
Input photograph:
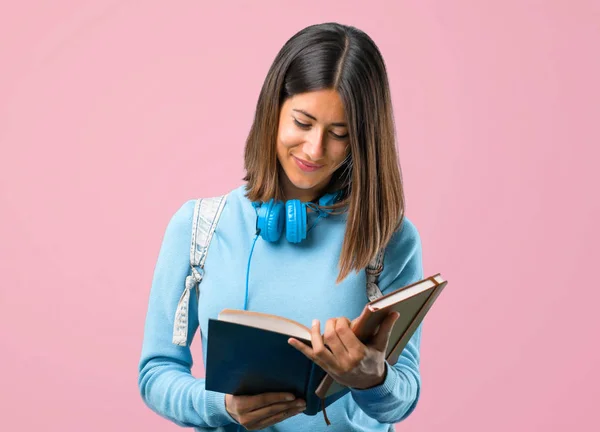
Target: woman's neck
[{"x": 291, "y": 192}]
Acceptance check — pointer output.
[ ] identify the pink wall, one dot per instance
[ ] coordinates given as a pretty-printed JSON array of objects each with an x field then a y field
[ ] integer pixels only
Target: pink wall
[{"x": 112, "y": 114}]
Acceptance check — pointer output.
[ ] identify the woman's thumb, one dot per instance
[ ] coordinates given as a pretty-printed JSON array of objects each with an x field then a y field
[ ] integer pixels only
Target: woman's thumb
[{"x": 385, "y": 330}]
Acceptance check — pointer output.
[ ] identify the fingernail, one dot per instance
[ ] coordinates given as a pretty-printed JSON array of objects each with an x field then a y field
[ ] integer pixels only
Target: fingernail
[
  {"x": 315, "y": 322},
  {"x": 290, "y": 398},
  {"x": 301, "y": 404}
]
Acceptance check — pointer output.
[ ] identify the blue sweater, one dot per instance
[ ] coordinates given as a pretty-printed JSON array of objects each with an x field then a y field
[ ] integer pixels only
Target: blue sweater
[{"x": 296, "y": 281}]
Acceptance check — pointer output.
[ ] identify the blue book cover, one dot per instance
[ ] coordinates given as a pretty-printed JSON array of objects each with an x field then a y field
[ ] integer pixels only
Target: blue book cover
[{"x": 249, "y": 360}]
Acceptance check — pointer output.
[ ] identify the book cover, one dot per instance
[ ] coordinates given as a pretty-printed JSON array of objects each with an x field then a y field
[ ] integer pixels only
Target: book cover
[
  {"x": 246, "y": 360},
  {"x": 412, "y": 302}
]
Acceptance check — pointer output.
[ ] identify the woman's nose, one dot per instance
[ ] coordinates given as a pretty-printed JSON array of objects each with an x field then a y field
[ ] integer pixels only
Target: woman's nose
[{"x": 315, "y": 144}]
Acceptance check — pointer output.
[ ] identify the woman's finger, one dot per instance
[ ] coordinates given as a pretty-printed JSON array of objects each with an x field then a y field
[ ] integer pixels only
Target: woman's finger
[
  {"x": 247, "y": 404},
  {"x": 276, "y": 417},
  {"x": 352, "y": 344},
  {"x": 302, "y": 347},
  {"x": 322, "y": 356},
  {"x": 333, "y": 341}
]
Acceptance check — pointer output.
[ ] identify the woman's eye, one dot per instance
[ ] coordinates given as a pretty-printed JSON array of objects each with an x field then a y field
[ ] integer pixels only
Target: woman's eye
[
  {"x": 339, "y": 136},
  {"x": 302, "y": 125},
  {"x": 307, "y": 126}
]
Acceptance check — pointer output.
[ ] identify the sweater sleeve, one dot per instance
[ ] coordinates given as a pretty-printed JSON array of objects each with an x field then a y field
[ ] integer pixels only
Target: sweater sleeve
[
  {"x": 164, "y": 371},
  {"x": 396, "y": 398}
]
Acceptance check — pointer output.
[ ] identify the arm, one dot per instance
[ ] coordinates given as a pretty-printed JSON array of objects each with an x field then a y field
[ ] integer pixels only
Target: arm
[
  {"x": 165, "y": 381},
  {"x": 396, "y": 398}
]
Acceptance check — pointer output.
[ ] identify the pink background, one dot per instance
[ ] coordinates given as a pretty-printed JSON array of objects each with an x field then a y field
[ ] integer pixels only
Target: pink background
[{"x": 112, "y": 114}]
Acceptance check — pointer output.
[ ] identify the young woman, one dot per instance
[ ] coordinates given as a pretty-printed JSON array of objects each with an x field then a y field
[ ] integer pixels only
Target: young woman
[{"x": 323, "y": 128}]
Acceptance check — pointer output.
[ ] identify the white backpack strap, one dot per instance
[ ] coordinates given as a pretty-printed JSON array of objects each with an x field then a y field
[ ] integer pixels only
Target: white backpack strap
[
  {"x": 206, "y": 216},
  {"x": 373, "y": 271}
]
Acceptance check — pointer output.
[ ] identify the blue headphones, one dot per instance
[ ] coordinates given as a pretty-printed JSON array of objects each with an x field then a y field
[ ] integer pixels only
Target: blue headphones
[{"x": 271, "y": 217}]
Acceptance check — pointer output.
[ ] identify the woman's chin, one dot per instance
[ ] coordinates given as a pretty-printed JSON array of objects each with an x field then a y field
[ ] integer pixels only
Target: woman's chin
[{"x": 307, "y": 184}]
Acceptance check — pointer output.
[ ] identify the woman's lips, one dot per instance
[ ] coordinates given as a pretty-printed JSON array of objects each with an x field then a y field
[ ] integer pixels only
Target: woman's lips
[{"x": 306, "y": 166}]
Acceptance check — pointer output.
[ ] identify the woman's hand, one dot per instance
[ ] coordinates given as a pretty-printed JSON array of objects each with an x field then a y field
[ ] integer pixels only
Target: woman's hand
[
  {"x": 261, "y": 411},
  {"x": 346, "y": 358}
]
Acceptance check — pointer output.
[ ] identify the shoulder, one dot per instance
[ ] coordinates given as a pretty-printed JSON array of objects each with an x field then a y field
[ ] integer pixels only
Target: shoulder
[
  {"x": 185, "y": 211},
  {"x": 180, "y": 222},
  {"x": 406, "y": 240},
  {"x": 403, "y": 257},
  {"x": 181, "y": 219}
]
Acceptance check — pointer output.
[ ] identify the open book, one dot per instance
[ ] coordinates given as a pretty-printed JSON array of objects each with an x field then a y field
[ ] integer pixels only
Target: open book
[{"x": 248, "y": 352}]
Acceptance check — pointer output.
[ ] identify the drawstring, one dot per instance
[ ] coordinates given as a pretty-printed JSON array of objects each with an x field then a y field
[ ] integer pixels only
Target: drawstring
[
  {"x": 321, "y": 213},
  {"x": 314, "y": 223}
]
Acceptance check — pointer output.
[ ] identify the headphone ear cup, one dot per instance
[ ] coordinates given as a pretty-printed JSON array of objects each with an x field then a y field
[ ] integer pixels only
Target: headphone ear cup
[
  {"x": 270, "y": 220},
  {"x": 295, "y": 225}
]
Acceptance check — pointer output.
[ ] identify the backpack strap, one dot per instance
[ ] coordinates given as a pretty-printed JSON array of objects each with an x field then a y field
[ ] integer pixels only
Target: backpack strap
[
  {"x": 207, "y": 212},
  {"x": 373, "y": 271}
]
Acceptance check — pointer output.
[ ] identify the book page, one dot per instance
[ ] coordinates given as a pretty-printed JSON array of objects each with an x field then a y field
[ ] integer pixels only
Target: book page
[
  {"x": 405, "y": 293},
  {"x": 266, "y": 322}
]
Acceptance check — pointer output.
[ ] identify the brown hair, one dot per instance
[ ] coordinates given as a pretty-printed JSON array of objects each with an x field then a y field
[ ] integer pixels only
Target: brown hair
[{"x": 344, "y": 58}]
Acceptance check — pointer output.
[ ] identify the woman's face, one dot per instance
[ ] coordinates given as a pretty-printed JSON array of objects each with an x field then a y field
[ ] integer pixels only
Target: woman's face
[{"x": 312, "y": 142}]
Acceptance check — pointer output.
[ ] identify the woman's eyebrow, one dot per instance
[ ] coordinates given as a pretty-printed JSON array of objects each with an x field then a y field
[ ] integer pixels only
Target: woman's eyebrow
[{"x": 342, "y": 124}]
